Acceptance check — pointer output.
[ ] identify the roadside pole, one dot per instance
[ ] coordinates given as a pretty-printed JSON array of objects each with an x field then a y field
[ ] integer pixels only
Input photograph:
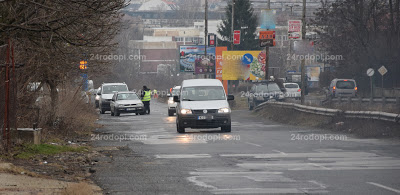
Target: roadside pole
[
  {"x": 370, "y": 73},
  {"x": 303, "y": 34},
  {"x": 205, "y": 34},
  {"x": 267, "y": 51}
]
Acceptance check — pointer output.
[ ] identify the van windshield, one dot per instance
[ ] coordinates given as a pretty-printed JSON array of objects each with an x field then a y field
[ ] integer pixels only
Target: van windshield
[
  {"x": 110, "y": 89},
  {"x": 345, "y": 85},
  {"x": 203, "y": 93}
]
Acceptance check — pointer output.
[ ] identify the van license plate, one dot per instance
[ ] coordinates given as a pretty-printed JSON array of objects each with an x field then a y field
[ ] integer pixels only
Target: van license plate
[{"x": 201, "y": 118}]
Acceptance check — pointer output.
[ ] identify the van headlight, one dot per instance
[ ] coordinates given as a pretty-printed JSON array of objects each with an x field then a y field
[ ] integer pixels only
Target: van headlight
[
  {"x": 170, "y": 101},
  {"x": 224, "y": 110},
  {"x": 186, "y": 111}
]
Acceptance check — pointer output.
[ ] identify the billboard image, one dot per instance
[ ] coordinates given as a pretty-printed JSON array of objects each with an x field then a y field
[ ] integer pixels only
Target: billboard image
[
  {"x": 188, "y": 55},
  {"x": 243, "y": 65},
  {"x": 294, "y": 29}
]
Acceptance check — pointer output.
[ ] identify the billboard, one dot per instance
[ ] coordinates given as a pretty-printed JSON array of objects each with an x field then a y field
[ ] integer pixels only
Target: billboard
[
  {"x": 294, "y": 29},
  {"x": 219, "y": 61},
  {"x": 268, "y": 19},
  {"x": 188, "y": 55},
  {"x": 236, "y": 37},
  {"x": 243, "y": 65},
  {"x": 313, "y": 73}
]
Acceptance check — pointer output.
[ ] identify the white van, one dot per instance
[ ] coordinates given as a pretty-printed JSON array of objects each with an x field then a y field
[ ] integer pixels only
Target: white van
[{"x": 202, "y": 103}]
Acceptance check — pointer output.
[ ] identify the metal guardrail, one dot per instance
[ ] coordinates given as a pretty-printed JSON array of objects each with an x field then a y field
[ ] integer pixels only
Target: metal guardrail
[
  {"x": 392, "y": 100},
  {"x": 334, "y": 112}
]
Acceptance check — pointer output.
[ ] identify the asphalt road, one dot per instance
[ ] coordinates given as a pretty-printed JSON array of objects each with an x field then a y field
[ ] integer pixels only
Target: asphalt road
[{"x": 257, "y": 157}]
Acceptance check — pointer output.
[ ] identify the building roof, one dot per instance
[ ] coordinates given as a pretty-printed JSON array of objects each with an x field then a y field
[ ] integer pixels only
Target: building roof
[{"x": 155, "y": 5}]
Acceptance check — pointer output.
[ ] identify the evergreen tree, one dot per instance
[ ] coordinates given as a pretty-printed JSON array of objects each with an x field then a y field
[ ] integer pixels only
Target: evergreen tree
[{"x": 244, "y": 20}]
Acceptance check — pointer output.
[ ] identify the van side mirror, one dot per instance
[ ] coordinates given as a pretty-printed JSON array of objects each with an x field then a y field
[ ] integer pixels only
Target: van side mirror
[
  {"x": 231, "y": 97},
  {"x": 176, "y": 99}
]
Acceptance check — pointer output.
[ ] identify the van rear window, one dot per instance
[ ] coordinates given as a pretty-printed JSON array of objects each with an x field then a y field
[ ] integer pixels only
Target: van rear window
[{"x": 345, "y": 85}]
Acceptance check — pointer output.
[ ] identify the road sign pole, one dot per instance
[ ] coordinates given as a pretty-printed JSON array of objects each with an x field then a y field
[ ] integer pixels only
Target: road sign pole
[
  {"x": 382, "y": 86},
  {"x": 372, "y": 93}
]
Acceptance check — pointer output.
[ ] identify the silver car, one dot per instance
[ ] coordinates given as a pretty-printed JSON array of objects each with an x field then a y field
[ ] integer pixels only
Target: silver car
[
  {"x": 343, "y": 88},
  {"x": 292, "y": 90},
  {"x": 126, "y": 102},
  {"x": 171, "y": 104}
]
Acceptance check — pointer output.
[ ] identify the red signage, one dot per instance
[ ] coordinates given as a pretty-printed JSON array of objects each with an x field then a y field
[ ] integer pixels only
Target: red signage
[
  {"x": 211, "y": 40},
  {"x": 236, "y": 37}
]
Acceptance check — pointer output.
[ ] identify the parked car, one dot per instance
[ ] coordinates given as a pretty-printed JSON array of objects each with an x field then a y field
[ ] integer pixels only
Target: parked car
[
  {"x": 262, "y": 92},
  {"x": 97, "y": 98},
  {"x": 126, "y": 102},
  {"x": 106, "y": 93},
  {"x": 171, "y": 104},
  {"x": 343, "y": 88},
  {"x": 292, "y": 90},
  {"x": 202, "y": 103}
]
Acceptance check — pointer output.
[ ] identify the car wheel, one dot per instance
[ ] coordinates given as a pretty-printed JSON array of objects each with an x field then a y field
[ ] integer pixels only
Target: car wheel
[
  {"x": 116, "y": 113},
  {"x": 170, "y": 113},
  {"x": 227, "y": 128},
  {"x": 137, "y": 113},
  {"x": 250, "y": 106},
  {"x": 179, "y": 128},
  {"x": 102, "y": 111}
]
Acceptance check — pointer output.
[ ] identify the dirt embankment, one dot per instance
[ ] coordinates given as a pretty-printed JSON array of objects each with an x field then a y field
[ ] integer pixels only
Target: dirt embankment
[{"x": 366, "y": 128}]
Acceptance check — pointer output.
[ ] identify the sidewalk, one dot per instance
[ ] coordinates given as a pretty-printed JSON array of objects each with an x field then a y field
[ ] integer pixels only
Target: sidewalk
[{"x": 12, "y": 183}]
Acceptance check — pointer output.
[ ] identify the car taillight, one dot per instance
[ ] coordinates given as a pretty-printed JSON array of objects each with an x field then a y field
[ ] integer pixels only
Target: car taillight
[
  {"x": 334, "y": 87},
  {"x": 299, "y": 90},
  {"x": 355, "y": 88},
  {"x": 345, "y": 80}
]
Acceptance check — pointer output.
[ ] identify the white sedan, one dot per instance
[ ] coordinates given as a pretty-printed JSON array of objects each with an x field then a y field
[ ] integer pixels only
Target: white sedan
[{"x": 292, "y": 90}]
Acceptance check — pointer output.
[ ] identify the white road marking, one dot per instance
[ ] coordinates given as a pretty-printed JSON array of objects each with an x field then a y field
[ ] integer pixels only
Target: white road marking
[
  {"x": 252, "y": 144},
  {"x": 183, "y": 156},
  {"x": 321, "y": 166},
  {"x": 258, "y": 191},
  {"x": 200, "y": 183},
  {"x": 306, "y": 155},
  {"x": 384, "y": 187},
  {"x": 280, "y": 152}
]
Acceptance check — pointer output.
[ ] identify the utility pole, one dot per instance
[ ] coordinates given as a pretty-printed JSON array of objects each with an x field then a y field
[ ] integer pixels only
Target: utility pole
[
  {"x": 267, "y": 51},
  {"x": 205, "y": 32},
  {"x": 303, "y": 34},
  {"x": 233, "y": 13}
]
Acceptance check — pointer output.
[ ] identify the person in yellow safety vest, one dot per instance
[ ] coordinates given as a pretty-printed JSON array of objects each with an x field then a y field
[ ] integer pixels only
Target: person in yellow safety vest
[
  {"x": 146, "y": 97},
  {"x": 155, "y": 93}
]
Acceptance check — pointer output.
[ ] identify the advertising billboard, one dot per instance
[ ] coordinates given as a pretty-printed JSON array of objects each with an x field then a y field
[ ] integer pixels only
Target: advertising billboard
[
  {"x": 243, "y": 65},
  {"x": 188, "y": 55},
  {"x": 294, "y": 29}
]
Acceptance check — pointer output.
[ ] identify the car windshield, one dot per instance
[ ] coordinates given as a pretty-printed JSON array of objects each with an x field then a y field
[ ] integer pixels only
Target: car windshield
[
  {"x": 270, "y": 87},
  {"x": 175, "y": 92},
  {"x": 203, "y": 93},
  {"x": 110, "y": 89},
  {"x": 345, "y": 85},
  {"x": 291, "y": 85},
  {"x": 127, "y": 96}
]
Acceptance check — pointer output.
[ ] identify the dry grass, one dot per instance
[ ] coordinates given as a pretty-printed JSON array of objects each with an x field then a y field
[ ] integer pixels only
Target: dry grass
[{"x": 17, "y": 171}]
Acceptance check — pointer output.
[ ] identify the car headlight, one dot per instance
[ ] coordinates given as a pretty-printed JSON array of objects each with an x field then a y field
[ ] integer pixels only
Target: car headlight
[
  {"x": 224, "y": 110},
  {"x": 186, "y": 111},
  {"x": 140, "y": 104},
  {"x": 97, "y": 97},
  {"x": 170, "y": 101}
]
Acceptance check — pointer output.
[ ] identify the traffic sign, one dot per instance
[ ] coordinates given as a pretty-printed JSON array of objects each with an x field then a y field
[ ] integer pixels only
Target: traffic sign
[
  {"x": 236, "y": 37},
  {"x": 382, "y": 70},
  {"x": 370, "y": 72}
]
